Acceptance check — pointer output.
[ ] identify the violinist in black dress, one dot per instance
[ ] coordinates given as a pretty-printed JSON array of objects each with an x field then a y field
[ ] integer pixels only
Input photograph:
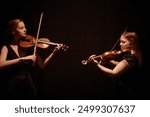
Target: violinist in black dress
[
  {"x": 17, "y": 65},
  {"x": 126, "y": 68}
]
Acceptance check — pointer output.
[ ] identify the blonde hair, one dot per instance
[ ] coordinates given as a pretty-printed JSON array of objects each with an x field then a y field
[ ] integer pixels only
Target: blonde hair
[{"x": 132, "y": 37}]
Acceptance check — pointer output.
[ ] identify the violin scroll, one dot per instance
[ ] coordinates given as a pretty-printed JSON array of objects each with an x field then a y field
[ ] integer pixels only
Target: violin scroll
[
  {"x": 61, "y": 46},
  {"x": 85, "y": 62},
  {"x": 64, "y": 47}
]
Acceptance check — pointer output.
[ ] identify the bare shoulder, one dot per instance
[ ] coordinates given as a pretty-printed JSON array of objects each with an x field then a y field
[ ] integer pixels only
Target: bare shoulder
[{"x": 4, "y": 48}]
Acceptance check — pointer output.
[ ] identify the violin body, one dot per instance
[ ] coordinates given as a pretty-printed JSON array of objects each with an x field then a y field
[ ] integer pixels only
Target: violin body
[
  {"x": 107, "y": 56},
  {"x": 29, "y": 41}
]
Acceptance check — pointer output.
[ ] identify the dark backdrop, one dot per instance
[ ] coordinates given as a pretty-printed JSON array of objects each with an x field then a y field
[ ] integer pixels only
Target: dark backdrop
[{"x": 87, "y": 27}]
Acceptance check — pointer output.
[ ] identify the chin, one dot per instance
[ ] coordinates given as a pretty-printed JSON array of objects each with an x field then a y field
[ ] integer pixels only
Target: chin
[
  {"x": 125, "y": 48},
  {"x": 122, "y": 48},
  {"x": 24, "y": 35}
]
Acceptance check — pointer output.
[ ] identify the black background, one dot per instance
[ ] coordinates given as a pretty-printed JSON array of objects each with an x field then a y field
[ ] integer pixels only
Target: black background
[{"x": 87, "y": 27}]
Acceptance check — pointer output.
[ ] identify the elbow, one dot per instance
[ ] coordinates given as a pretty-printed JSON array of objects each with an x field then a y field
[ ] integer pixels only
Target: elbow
[
  {"x": 2, "y": 66},
  {"x": 114, "y": 74}
]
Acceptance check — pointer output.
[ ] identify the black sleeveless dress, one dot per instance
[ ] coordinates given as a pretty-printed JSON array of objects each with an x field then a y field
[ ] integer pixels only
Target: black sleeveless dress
[{"x": 16, "y": 81}]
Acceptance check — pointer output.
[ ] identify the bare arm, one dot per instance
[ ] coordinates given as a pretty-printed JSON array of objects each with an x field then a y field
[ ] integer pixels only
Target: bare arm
[
  {"x": 117, "y": 70},
  {"x": 5, "y": 63},
  {"x": 43, "y": 64},
  {"x": 113, "y": 62}
]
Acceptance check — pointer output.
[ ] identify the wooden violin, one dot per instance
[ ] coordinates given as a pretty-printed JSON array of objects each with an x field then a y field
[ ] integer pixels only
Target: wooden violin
[
  {"x": 106, "y": 56},
  {"x": 29, "y": 41},
  {"x": 109, "y": 55}
]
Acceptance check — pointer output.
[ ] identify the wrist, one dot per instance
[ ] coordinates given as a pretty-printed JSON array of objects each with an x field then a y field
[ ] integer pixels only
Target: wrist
[
  {"x": 21, "y": 59},
  {"x": 96, "y": 63},
  {"x": 54, "y": 51}
]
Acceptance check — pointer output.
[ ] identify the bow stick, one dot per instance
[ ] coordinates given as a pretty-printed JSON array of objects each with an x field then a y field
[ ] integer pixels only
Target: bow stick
[{"x": 37, "y": 36}]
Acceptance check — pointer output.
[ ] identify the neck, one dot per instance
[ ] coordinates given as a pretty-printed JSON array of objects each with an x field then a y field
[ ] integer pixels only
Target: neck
[
  {"x": 133, "y": 52},
  {"x": 15, "y": 40}
]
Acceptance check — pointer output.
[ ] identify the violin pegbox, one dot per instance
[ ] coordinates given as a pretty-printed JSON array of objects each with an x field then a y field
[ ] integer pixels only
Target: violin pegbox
[
  {"x": 64, "y": 47},
  {"x": 61, "y": 47}
]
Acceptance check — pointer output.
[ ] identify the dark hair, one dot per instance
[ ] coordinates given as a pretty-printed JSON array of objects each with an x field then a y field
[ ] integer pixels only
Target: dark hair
[{"x": 12, "y": 25}]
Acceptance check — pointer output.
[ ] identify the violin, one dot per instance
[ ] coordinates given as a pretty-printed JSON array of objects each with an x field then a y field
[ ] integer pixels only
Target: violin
[
  {"x": 29, "y": 41},
  {"x": 109, "y": 55},
  {"x": 106, "y": 56}
]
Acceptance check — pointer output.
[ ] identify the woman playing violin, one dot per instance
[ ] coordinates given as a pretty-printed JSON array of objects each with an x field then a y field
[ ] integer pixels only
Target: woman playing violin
[
  {"x": 126, "y": 69},
  {"x": 16, "y": 65}
]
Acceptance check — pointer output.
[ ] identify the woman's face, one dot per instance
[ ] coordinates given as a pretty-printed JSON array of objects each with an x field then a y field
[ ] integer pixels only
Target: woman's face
[
  {"x": 20, "y": 30},
  {"x": 124, "y": 43}
]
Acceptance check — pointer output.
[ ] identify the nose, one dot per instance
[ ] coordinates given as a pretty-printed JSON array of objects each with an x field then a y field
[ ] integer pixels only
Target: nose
[
  {"x": 25, "y": 30},
  {"x": 120, "y": 44}
]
